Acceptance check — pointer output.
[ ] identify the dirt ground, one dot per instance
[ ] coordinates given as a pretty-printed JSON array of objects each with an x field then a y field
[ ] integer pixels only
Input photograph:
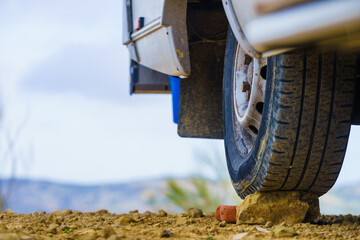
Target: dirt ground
[{"x": 69, "y": 224}]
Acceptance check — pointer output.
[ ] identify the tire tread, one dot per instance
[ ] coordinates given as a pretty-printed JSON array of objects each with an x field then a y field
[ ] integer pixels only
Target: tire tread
[{"x": 322, "y": 103}]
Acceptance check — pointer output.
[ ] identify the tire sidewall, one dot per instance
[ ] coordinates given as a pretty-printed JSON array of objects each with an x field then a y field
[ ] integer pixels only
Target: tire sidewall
[{"x": 243, "y": 170}]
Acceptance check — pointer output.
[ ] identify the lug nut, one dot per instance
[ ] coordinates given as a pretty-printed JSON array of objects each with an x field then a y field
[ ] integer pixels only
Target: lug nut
[{"x": 245, "y": 87}]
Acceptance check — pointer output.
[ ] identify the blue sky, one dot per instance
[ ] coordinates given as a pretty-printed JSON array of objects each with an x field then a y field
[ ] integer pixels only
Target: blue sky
[{"x": 64, "y": 73}]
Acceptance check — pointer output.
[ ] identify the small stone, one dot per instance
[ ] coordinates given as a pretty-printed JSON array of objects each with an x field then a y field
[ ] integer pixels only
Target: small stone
[
  {"x": 209, "y": 214},
  {"x": 213, "y": 230},
  {"x": 240, "y": 236},
  {"x": 222, "y": 224},
  {"x": 8, "y": 211},
  {"x": 59, "y": 219},
  {"x": 9, "y": 236},
  {"x": 75, "y": 226},
  {"x": 52, "y": 228},
  {"x": 252, "y": 229},
  {"x": 290, "y": 207},
  {"x": 314, "y": 206},
  {"x": 181, "y": 215},
  {"x": 195, "y": 213},
  {"x": 147, "y": 214},
  {"x": 28, "y": 238},
  {"x": 108, "y": 231},
  {"x": 282, "y": 231},
  {"x": 114, "y": 237},
  {"x": 346, "y": 223},
  {"x": 260, "y": 229},
  {"x": 282, "y": 224},
  {"x": 166, "y": 234},
  {"x": 133, "y": 211},
  {"x": 91, "y": 237},
  {"x": 318, "y": 222},
  {"x": 182, "y": 221},
  {"x": 162, "y": 213},
  {"x": 3, "y": 228},
  {"x": 137, "y": 217},
  {"x": 102, "y": 212},
  {"x": 61, "y": 213},
  {"x": 337, "y": 221},
  {"x": 269, "y": 224},
  {"x": 125, "y": 219}
]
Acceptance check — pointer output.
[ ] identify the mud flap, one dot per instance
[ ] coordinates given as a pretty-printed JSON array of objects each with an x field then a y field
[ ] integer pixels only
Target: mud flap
[{"x": 200, "y": 104}]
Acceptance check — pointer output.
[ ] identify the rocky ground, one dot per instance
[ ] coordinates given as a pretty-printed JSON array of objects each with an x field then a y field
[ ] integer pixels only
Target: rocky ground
[{"x": 193, "y": 224}]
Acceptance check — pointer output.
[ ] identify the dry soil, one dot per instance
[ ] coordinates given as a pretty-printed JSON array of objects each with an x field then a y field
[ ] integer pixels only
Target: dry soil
[{"x": 69, "y": 224}]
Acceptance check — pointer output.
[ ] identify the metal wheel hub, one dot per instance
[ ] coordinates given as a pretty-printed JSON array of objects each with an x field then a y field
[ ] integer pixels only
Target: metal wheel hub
[{"x": 249, "y": 84}]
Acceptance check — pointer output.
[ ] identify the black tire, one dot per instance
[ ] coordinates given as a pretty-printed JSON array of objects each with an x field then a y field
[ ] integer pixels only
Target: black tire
[{"x": 305, "y": 122}]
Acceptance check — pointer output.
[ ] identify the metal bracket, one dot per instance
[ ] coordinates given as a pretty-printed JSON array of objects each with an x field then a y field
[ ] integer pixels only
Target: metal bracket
[{"x": 146, "y": 80}]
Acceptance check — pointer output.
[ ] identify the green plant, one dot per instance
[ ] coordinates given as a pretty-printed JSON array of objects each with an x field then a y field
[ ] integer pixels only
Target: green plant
[
  {"x": 67, "y": 230},
  {"x": 196, "y": 195},
  {"x": 199, "y": 191}
]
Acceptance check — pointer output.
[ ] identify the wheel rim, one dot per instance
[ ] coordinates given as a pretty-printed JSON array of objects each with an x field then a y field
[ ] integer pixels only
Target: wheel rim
[{"x": 249, "y": 84}]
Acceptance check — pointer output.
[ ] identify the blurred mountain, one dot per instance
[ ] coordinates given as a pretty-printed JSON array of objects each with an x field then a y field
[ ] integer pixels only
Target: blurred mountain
[
  {"x": 342, "y": 200},
  {"x": 28, "y": 196}
]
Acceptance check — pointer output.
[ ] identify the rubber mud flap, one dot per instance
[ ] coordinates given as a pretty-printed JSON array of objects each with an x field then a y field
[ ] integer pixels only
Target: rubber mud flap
[{"x": 200, "y": 104}]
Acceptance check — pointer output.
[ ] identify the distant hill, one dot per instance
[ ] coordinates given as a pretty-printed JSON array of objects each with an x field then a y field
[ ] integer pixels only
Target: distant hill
[
  {"x": 29, "y": 196},
  {"x": 342, "y": 200}
]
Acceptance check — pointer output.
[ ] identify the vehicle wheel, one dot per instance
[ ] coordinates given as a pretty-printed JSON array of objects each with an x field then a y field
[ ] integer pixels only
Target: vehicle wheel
[{"x": 286, "y": 118}]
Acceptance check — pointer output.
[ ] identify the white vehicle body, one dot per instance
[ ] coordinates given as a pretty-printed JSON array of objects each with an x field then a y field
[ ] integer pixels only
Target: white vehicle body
[
  {"x": 315, "y": 22},
  {"x": 164, "y": 34},
  {"x": 187, "y": 38}
]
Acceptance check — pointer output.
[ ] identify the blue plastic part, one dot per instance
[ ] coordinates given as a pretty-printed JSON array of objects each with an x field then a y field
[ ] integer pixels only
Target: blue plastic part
[
  {"x": 175, "y": 91},
  {"x": 134, "y": 75}
]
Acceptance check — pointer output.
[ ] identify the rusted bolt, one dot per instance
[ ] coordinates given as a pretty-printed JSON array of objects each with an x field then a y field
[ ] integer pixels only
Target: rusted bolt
[{"x": 245, "y": 87}]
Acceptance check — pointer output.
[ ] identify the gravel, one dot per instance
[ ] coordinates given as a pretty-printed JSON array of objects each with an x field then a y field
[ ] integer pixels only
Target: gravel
[{"x": 69, "y": 224}]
